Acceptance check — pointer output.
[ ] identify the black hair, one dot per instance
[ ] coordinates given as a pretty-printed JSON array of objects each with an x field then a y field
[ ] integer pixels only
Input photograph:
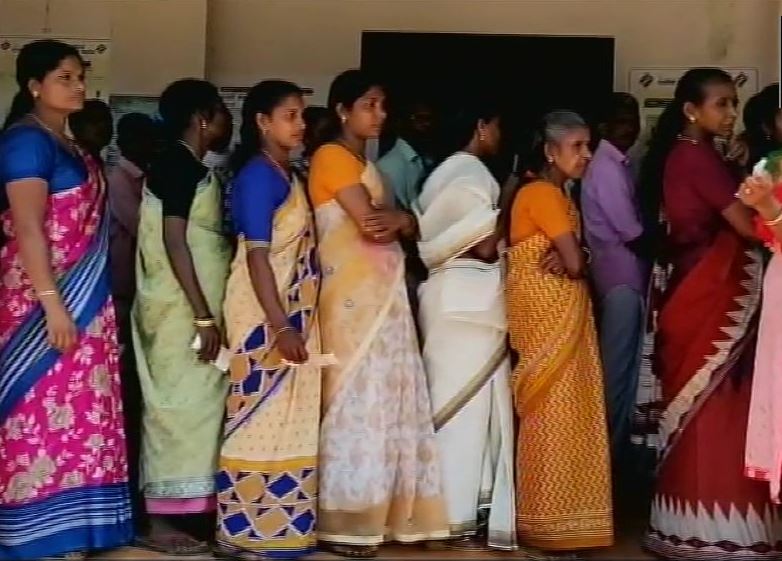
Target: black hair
[
  {"x": 760, "y": 115},
  {"x": 460, "y": 123},
  {"x": 185, "y": 98},
  {"x": 94, "y": 110},
  {"x": 614, "y": 105},
  {"x": 134, "y": 128},
  {"x": 691, "y": 88},
  {"x": 316, "y": 117},
  {"x": 263, "y": 97},
  {"x": 34, "y": 62},
  {"x": 345, "y": 90}
]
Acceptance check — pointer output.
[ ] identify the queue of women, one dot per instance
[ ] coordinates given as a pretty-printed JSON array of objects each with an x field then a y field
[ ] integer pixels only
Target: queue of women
[{"x": 283, "y": 383}]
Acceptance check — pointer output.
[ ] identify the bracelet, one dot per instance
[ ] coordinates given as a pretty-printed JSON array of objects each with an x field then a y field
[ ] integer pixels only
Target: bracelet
[
  {"x": 204, "y": 322},
  {"x": 282, "y": 330},
  {"x": 45, "y": 293},
  {"x": 776, "y": 221}
]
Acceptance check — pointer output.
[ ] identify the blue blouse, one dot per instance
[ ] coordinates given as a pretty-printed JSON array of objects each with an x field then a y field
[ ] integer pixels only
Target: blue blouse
[
  {"x": 29, "y": 152},
  {"x": 256, "y": 193}
]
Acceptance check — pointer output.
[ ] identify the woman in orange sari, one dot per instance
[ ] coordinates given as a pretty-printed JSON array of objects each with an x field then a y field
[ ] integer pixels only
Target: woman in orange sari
[
  {"x": 563, "y": 475},
  {"x": 704, "y": 506},
  {"x": 379, "y": 472}
]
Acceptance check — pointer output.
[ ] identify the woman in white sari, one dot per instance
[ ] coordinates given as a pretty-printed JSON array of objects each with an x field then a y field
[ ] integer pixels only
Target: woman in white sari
[{"x": 463, "y": 325}]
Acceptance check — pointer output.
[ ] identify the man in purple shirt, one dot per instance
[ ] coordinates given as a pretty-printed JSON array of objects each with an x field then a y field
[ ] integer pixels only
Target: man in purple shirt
[{"x": 612, "y": 227}]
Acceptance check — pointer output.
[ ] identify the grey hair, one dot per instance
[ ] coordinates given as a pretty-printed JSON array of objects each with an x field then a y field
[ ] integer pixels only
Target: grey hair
[
  {"x": 559, "y": 123},
  {"x": 553, "y": 128}
]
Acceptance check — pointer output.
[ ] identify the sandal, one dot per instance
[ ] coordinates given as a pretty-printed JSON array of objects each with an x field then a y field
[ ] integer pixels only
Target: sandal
[
  {"x": 177, "y": 545},
  {"x": 353, "y": 551}
]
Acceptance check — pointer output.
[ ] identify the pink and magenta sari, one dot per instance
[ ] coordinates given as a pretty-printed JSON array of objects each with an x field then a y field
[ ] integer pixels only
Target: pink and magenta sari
[{"x": 63, "y": 469}]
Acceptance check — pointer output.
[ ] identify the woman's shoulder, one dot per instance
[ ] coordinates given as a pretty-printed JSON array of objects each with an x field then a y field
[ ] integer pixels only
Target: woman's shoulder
[
  {"x": 539, "y": 188},
  {"x": 332, "y": 152},
  {"x": 27, "y": 136}
]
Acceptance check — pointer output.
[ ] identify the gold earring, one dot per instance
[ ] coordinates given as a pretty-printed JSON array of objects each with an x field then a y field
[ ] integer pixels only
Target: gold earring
[
  {"x": 482, "y": 137},
  {"x": 691, "y": 119},
  {"x": 343, "y": 119},
  {"x": 36, "y": 94},
  {"x": 550, "y": 160},
  {"x": 203, "y": 125}
]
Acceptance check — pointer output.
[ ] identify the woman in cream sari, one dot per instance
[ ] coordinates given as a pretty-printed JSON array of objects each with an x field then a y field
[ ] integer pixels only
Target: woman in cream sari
[
  {"x": 379, "y": 471},
  {"x": 267, "y": 477},
  {"x": 464, "y": 329},
  {"x": 563, "y": 473}
]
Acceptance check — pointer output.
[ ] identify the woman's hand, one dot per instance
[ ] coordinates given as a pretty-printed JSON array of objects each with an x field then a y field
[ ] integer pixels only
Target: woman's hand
[
  {"x": 384, "y": 225},
  {"x": 291, "y": 345},
  {"x": 758, "y": 193},
  {"x": 210, "y": 343},
  {"x": 62, "y": 331},
  {"x": 552, "y": 263}
]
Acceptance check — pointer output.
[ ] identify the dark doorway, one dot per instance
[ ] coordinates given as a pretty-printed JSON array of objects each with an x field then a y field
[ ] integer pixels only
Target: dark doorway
[{"x": 529, "y": 74}]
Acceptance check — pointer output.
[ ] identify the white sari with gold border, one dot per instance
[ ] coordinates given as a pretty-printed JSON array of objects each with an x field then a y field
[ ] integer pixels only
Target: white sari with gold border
[{"x": 464, "y": 329}]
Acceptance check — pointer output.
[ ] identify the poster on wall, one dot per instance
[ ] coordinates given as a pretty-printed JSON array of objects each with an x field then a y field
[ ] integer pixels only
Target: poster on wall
[
  {"x": 95, "y": 52},
  {"x": 654, "y": 89}
]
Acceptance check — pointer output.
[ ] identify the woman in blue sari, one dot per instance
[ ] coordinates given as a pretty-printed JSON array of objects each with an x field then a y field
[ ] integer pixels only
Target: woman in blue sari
[{"x": 63, "y": 469}]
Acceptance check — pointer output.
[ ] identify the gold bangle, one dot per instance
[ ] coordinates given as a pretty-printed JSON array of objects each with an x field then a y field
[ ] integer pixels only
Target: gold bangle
[
  {"x": 204, "y": 322},
  {"x": 45, "y": 293},
  {"x": 282, "y": 330},
  {"x": 776, "y": 221}
]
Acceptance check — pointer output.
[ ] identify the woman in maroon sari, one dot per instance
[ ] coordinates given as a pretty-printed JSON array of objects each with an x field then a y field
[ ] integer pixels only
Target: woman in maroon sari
[{"x": 703, "y": 506}]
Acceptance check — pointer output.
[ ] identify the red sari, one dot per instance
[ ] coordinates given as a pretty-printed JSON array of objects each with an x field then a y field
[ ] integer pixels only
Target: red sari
[{"x": 704, "y": 507}]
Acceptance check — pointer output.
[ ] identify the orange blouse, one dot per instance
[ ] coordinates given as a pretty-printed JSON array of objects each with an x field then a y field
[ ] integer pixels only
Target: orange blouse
[
  {"x": 539, "y": 206},
  {"x": 333, "y": 168}
]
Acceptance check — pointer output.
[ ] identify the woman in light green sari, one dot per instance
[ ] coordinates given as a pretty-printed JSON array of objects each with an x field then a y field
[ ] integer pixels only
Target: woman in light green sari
[{"x": 181, "y": 269}]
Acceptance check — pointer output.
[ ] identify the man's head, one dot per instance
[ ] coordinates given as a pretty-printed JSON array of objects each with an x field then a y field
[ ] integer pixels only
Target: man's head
[
  {"x": 619, "y": 121},
  {"x": 93, "y": 126},
  {"x": 138, "y": 138}
]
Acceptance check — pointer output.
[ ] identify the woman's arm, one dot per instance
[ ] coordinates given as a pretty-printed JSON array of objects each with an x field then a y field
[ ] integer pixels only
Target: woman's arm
[
  {"x": 28, "y": 198},
  {"x": 571, "y": 255},
  {"x": 356, "y": 202},
  {"x": 290, "y": 343},
  {"x": 181, "y": 260},
  {"x": 741, "y": 220}
]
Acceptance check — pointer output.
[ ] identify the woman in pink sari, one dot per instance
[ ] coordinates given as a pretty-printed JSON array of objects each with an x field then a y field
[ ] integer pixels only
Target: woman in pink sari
[
  {"x": 763, "y": 459},
  {"x": 63, "y": 471}
]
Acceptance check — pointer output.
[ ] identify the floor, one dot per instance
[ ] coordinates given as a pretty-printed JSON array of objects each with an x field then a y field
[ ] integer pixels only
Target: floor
[{"x": 626, "y": 548}]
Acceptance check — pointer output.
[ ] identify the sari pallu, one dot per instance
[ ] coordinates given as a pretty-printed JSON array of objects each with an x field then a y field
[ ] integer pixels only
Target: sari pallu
[
  {"x": 184, "y": 399},
  {"x": 63, "y": 474},
  {"x": 379, "y": 471},
  {"x": 703, "y": 506},
  {"x": 267, "y": 477},
  {"x": 462, "y": 313},
  {"x": 563, "y": 473}
]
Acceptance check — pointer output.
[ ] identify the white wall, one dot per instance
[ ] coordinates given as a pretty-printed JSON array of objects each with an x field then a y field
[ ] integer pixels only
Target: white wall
[
  {"x": 152, "y": 41},
  {"x": 312, "y": 40}
]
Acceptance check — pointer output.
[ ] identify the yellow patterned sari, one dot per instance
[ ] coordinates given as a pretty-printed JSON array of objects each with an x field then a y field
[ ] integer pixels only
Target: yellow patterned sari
[
  {"x": 563, "y": 472},
  {"x": 379, "y": 472},
  {"x": 267, "y": 477}
]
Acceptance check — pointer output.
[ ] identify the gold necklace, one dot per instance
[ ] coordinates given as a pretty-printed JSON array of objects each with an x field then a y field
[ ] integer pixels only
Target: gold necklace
[
  {"x": 62, "y": 137},
  {"x": 276, "y": 164}
]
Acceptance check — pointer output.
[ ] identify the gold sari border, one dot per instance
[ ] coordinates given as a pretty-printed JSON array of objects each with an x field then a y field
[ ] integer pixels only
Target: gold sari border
[
  {"x": 471, "y": 389},
  {"x": 231, "y": 464}
]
